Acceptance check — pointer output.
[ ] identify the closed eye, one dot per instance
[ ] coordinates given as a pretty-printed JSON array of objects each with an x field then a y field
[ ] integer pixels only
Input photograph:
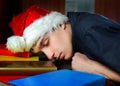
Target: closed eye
[{"x": 45, "y": 42}]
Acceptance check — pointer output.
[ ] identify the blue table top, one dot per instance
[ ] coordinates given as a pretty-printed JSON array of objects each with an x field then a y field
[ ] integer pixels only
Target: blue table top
[{"x": 62, "y": 77}]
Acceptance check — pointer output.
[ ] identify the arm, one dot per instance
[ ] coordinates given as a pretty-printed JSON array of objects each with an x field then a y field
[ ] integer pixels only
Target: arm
[{"x": 80, "y": 62}]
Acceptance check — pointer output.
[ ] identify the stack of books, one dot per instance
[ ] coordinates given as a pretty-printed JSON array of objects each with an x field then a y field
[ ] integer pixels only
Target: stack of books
[
  {"x": 19, "y": 65},
  {"x": 15, "y": 58},
  {"x": 10, "y": 70},
  {"x": 5, "y": 51},
  {"x": 25, "y": 68}
]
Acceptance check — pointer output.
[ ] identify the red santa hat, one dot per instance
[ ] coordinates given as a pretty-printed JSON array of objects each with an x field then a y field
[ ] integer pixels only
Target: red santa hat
[{"x": 30, "y": 25}]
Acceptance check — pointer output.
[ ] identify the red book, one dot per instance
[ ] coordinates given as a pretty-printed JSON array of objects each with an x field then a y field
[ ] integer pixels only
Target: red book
[
  {"x": 5, "y": 51},
  {"x": 5, "y": 79}
]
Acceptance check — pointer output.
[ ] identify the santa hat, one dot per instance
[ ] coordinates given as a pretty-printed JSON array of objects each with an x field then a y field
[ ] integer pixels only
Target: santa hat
[{"x": 30, "y": 25}]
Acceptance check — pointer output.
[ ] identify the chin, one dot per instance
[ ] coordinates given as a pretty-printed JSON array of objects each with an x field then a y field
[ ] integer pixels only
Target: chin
[{"x": 67, "y": 58}]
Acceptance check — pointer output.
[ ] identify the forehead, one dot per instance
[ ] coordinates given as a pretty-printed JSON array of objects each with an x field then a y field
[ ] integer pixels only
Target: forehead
[{"x": 40, "y": 39}]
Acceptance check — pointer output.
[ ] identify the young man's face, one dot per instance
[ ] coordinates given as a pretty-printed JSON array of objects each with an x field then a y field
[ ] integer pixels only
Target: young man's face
[{"x": 56, "y": 44}]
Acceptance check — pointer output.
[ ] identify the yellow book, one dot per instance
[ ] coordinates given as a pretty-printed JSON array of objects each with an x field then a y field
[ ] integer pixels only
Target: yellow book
[{"x": 14, "y": 58}]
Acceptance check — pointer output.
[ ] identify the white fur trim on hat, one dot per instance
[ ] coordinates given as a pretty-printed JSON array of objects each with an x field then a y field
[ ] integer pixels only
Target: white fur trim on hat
[
  {"x": 37, "y": 29},
  {"x": 16, "y": 43}
]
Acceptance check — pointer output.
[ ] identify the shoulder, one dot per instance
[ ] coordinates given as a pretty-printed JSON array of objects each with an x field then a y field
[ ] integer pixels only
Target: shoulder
[
  {"x": 87, "y": 21},
  {"x": 82, "y": 21},
  {"x": 83, "y": 15},
  {"x": 90, "y": 18}
]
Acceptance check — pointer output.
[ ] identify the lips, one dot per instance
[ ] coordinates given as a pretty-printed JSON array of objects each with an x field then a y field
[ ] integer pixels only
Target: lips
[{"x": 60, "y": 56}]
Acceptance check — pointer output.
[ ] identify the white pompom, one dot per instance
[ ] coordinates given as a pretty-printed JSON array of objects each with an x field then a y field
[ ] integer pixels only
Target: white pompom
[{"x": 16, "y": 44}]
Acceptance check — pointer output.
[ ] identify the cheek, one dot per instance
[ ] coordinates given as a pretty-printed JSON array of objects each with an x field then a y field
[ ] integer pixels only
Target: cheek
[
  {"x": 55, "y": 43},
  {"x": 60, "y": 44},
  {"x": 56, "y": 39}
]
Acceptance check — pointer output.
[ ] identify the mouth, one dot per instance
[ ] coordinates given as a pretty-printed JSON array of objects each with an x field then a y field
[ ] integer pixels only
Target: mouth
[{"x": 59, "y": 57}]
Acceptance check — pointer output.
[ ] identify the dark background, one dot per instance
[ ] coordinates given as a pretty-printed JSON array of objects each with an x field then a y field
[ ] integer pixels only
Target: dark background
[{"x": 9, "y": 8}]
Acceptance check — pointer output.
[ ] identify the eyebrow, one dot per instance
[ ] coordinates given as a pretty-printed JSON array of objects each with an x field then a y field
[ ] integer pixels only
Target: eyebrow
[
  {"x": 41, "y": 39},
  {"x": 44, "y": 38}
]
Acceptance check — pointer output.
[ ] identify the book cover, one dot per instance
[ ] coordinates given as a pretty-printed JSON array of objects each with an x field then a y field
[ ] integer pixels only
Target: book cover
[
  {"x": 16, "y": 58},
  {"x": 25, "y": 68},
  {"x": 61, "y": 78}
]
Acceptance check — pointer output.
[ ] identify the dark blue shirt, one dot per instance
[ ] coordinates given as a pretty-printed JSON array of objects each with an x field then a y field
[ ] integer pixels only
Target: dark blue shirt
[{"x": 96, "y": 36}]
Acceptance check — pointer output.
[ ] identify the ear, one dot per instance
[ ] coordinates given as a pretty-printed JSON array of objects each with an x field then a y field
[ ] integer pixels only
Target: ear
[{"x": 63, "y": 26}]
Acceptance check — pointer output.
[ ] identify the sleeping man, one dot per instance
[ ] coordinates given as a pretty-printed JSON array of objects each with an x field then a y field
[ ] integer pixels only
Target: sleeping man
[{"x": 91, "y": 41}]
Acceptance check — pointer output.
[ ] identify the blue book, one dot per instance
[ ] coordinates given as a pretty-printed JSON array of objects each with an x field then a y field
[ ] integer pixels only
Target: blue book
[{"x": 62, "y": 77}]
